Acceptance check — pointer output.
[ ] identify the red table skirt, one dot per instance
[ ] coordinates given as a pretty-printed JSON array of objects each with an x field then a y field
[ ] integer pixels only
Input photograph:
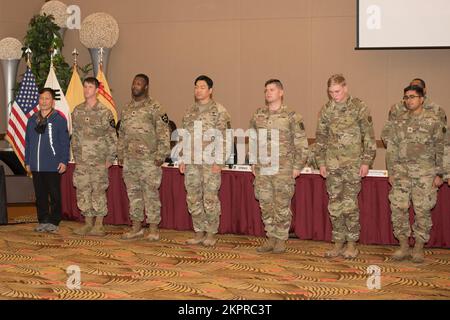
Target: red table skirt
[{"x": 241, "y": 214}]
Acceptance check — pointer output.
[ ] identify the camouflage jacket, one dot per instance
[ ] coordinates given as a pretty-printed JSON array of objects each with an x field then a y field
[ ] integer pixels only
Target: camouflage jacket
[
  {"x": 446, "y": 159},
  {"x": 416, "y": 143},
  {"x": 94, "y": 138},
  {"x": 293, "y": 144},
  {"x": 399, "y": 109},
  {"x": 144, "y": 132},
  {"x": 345, "y": 135},
  {"x": 215, "y": 116}
]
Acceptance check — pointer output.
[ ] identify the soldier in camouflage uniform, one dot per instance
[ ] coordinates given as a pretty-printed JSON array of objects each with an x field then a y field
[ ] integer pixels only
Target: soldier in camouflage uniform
[
  {"x": 94, "y": 147},
  {"x": 400, "y": 108},
  {"x": 447, "y": 158},
  {"x": 202, "y": 181},
  {"x": 276, "y": 189},
  {"x": 346, "y": 149},
  {"x": 415, "y": 162},
  {"x": 144, "y": 144}
]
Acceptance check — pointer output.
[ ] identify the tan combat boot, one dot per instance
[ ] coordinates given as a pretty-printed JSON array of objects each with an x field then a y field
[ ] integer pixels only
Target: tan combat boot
[
  {"x": 84, "y": 230},
  {"x": 280, "y": 246},
  {"x": 210, "y": 240},
  {"x": 98, "y": 229},
  {"x": 136, "y": 232},
  {"x": 403, "y": 252},
  {"x": 351, "y": 251},
  {"x": 267, "y": 246},
  {"x": 417, "y": 252},
  {"x": 154, "y": 232},
  {"x": 336, "y": 251},
  {"x": 199, "y": 237}
]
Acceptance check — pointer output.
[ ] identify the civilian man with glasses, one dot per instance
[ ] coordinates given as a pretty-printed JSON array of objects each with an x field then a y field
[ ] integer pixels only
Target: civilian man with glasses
[
  {"x": 415, "y": 163},
  {"x": 46, "y": 158}
]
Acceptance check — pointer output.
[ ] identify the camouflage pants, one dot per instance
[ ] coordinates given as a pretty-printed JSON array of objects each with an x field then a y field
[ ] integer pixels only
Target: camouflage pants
[
  {"x": 143, "y": 179},
  {"x": 91, "y": 182},
  {"x": 343, "y": 186},
  {"x": 202, "y": 187},
  {"x": 275, "y": 193},
  {"x": 423, "y": 196}
]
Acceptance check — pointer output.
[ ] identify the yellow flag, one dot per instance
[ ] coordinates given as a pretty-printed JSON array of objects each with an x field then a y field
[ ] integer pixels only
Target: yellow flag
[
  {"x": 104, "y": 94},
  {"x": 74, "y": 94}
]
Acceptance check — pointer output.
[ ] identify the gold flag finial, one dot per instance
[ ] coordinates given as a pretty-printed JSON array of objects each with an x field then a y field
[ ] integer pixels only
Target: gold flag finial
[
  {"x": 28, "y": 52},
  {"x": 75, "y": 55}
]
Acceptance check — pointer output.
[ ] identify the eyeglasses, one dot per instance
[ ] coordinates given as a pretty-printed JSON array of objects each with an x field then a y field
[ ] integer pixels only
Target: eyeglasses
[{"x": 410, "y": 97}]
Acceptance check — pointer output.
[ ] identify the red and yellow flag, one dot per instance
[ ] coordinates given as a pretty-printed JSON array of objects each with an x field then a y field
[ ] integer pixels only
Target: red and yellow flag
[{"x": 104, "y": 93}]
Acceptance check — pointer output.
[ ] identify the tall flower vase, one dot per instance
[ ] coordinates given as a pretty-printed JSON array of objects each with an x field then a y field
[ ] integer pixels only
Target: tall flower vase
[
  {"x": 62, "y": 32},
  {"x": 95, "y": 58},
  {"x": 9, "y": 67}
]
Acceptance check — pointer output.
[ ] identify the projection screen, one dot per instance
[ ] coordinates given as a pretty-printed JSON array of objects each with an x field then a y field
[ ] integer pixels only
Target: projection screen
[{"x": 403, "y": 24}]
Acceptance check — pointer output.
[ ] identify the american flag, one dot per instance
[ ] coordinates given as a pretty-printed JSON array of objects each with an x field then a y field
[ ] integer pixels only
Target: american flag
[{"x": 25, "y": 105}]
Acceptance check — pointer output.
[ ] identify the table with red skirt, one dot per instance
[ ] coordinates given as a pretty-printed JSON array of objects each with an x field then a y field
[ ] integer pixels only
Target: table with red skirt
[{"x": 240, "y": 213}]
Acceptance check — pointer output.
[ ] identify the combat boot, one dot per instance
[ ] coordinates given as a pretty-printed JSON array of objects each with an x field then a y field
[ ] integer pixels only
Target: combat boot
[
  {"x": 417, "y": 253},
  {"x": 268, "y": 245},
  {"x": 403, "y": 252},
  {"x": 136, "y": 232},
  {"x": 351, "y": 251},
  {"x": 199, "y": 237},
  {"x": 336, "y": 251},
  {"x": 210, "y": 240},
  {"x": 280, "y": 246},
  {"x": 84, "y": 230},
  {"x": 98, "y": 230},
  {"x": 154, "y": 232}
]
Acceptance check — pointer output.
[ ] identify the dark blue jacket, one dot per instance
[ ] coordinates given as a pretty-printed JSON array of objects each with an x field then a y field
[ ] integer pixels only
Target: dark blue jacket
[{"x": 44, "y": 152}]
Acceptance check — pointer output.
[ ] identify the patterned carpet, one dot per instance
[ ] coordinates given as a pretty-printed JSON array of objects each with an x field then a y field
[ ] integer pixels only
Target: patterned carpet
[{"x": 33, "y": 266}]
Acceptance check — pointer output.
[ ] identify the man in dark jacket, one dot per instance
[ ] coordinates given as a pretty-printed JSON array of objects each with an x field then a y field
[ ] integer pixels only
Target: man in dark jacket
[{"x": 46, "y": 157}]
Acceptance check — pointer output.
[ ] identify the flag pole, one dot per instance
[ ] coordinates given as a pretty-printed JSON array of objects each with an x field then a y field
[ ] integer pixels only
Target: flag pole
[
  {"x": 53, "y": 53},
  {"x": 75, "y": 55},
  {"x": 101, "y": 51}
]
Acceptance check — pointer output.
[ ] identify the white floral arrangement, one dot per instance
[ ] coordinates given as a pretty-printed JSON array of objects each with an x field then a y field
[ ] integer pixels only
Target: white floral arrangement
[
  {"x": 99, "y": 30},
  {"x": 58, "y": 10},
  {"x": 10, "y": 48}
]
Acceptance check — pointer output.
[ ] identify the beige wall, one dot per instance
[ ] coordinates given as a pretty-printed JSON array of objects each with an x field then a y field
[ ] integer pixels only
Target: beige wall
[{"x": 242, "y": 43}]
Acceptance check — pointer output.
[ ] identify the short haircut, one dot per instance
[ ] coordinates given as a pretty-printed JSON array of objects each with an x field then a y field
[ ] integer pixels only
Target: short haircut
[
  {"x": 93, "y": 81},
  {"x": 336, "y": 79},
  {"x": 275, "y": 82},
  {"x": 49, "y": 90},
  {"x": 207, "y": 79},
  {"x": 417, "y": 89},
  {"x": 143, "y": 76},
  {"x": 422, "y": 83}
]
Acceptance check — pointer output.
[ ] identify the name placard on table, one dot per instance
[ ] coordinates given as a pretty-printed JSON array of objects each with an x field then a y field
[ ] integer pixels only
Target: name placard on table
[{"x": 248, "y": 168}]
